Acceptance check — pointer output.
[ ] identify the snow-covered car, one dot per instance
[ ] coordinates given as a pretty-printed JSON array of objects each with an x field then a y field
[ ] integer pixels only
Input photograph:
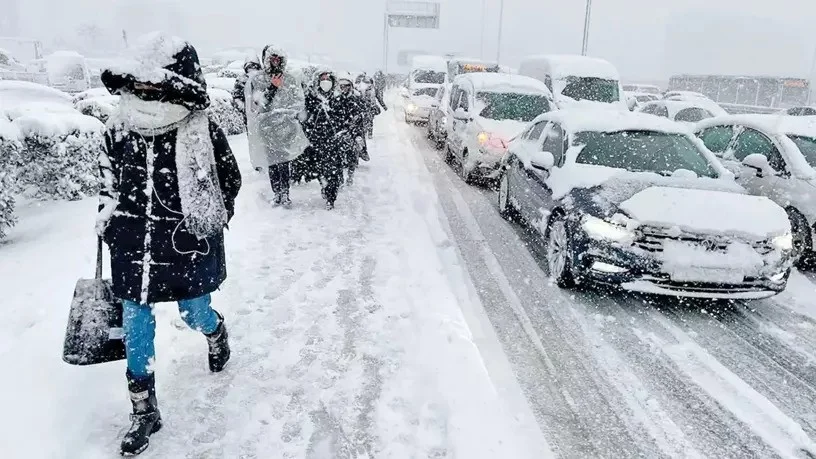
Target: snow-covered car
[
  {"x": 635, "y": 100},
  {"x": 68, "y": 71},
  {"x": 18, "y": 98},
  {"x": 419, "y": 103},
  {"x": 577, "y": 80},
  {"x": 438, "y": 118},
  {"x": 485, "y": 112},
  {"x": 799, "y": 111},
  {"x": 701, "y": 99},
  {"x": 636, "y": 201},
  {"x": 687, "y": 112},
  {"x": 773, "y": 156}
]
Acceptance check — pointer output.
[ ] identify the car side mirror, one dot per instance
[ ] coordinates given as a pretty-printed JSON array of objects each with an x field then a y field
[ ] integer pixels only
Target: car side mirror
[
  {"x": 759, "y": 163},
  {"x": 542, "y": 160},
  {"x": 461, "y": 115}
]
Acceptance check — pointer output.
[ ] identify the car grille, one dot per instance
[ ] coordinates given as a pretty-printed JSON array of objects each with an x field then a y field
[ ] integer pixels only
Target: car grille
[{"x": 652, "y": 239}]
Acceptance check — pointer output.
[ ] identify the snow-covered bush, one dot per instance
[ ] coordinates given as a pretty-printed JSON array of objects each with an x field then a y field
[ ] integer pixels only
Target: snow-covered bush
[
  {"x": 225, "y": 113},
  {"x": 9, "y": 158},
  {"x": 59, "y": 155},
  {"x": 101, "y": 107}
]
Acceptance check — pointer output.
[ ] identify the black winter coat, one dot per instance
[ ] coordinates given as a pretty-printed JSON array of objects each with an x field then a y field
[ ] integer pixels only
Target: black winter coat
[
  {"x": 323, "y": 123},
  {"x": 149, "y": 244}
]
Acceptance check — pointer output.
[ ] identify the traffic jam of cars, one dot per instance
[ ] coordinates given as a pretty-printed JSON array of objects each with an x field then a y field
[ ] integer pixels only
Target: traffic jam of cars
[{"x": 628, "y": 186}]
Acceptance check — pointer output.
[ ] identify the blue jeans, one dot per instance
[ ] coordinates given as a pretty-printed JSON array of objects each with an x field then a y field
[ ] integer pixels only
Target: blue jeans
[{"x": 139, "y": 325}]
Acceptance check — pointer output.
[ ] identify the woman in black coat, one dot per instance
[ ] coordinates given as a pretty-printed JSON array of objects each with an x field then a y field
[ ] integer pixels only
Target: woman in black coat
[
  {"x": 169, "y": 187},
  {"x": 323, "y": 127}
]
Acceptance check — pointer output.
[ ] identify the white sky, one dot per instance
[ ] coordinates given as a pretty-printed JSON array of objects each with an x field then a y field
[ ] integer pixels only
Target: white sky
[{"x": 646, "y": 39}]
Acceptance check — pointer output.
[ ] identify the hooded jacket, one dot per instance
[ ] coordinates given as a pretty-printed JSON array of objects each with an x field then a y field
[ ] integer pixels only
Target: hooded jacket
[
  {"x": 154, "y": 256},
  {"x": 322, "y": 123},
  {"x": 274, "y": 113}
]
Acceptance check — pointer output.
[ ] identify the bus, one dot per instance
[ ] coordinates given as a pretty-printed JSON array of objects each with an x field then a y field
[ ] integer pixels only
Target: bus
[{"x": 747, "y": 94}]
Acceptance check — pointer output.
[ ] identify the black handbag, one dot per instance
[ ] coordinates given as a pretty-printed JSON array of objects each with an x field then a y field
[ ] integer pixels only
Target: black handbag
[{"x": 94, "y": 333}]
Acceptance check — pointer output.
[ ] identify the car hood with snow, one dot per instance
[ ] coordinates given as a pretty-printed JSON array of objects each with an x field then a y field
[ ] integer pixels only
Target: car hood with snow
[{"x": 707, "y": 211}]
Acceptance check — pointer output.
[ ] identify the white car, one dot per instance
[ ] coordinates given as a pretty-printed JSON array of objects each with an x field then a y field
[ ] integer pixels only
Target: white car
[
  {"x": 582, "y": 81},
  {"x": 438, "y": 120},
  {"x": 419, "y": 102},
  {"x": 691, "y": 96},
  {"x": 485, "y": 112},
  {"x": 642, "y": 89},
  {"x": 773, "y": 156},
  {"x": 637, "y": 99},
  {"x": 686, "y": 112},
  {"x": 799, "y": 111},
  {"x": 636, "y": 201},
  {"x": 20, "y": 98}
]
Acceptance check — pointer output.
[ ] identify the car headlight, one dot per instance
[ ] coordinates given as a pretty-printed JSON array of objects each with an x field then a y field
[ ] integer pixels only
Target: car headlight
[
  {"x": 411, "y": 107},
  {"x": 783, "y": 242},
  {"x": 602, "y": 229},
  {"x": 443, "y": 120}
]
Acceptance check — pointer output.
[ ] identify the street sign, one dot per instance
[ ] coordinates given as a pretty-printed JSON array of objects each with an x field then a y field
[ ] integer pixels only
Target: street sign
[{"x": 413, "y": 15}]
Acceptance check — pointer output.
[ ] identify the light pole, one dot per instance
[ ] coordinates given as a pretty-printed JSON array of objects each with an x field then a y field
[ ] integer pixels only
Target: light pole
[
  {"x": 501, "y": 29},
  {"x": 586, "y": 27}
]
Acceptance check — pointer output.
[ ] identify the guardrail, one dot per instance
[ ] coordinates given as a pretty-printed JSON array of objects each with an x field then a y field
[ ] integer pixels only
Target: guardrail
[{"x": 738, "y": 109}]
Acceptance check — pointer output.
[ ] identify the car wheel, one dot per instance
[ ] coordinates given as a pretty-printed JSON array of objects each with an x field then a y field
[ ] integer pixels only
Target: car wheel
[
  {"x": 559, "y": 252},
  {"x": 802, "y": 240},
  {"x": 506, "y": 208}
]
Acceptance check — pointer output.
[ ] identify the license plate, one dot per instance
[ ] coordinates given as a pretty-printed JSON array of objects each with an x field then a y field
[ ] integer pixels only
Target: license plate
[{"x": 713, "y": 275}]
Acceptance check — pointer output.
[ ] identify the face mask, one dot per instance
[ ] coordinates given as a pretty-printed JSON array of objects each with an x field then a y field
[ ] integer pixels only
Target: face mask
[
  {"x": 326, "y": 85},
  {"x": 144, "y": 114}
]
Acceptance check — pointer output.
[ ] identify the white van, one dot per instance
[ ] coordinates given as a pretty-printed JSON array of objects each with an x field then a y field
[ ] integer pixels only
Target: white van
[
  {"x": 576, "y": 78},
  {"x": 68, "y": 71}
]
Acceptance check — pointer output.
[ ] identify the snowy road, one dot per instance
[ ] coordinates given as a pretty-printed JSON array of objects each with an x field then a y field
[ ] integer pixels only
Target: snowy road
[
  {"x": 619, "y": 375},
  {"x": 410, "y": 322}
]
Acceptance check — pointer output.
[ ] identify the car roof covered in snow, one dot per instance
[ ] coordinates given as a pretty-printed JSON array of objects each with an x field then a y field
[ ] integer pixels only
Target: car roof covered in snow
[
  {"x": 13, "y": 93},
  {"x": 8, "y": 131},
  {"x": 564, "y": 65},
  {"x": 574, "y": 120},
  {"x": 685, "y": 94},
  {"x": 770, "y": 124},
  {"x": 473, "y": 60},
  {"x": 503, "y": 82},
  {"x": 676, "y": 106}
]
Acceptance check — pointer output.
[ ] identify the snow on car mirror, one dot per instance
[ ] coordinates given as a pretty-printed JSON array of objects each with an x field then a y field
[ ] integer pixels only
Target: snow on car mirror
[
  {"x": 759, "y": 163},
  {"x": 543, "y": 160}
]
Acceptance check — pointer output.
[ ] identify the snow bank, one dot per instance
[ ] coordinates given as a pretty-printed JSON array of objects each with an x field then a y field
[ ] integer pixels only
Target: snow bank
[{"x": 223, "y": 111}]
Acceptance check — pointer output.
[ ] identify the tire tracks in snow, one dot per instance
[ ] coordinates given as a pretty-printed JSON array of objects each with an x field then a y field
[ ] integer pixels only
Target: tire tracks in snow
[{"x": 660, "y": 397}]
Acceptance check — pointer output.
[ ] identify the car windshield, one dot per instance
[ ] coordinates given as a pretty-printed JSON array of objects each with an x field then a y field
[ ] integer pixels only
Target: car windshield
[
  {"x": 594, "y": 89},
  {"x": 429, "y": 77},
  {"x": 511, "y": 106},
  {"x": 426, "y": 92},
  {"x": 692, "y": 115},
  {"x": 807, "y": 145},
  {"x": 643, "y": 151}
]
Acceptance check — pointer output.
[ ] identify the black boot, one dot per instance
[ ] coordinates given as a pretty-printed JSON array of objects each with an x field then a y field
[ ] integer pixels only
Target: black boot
[
  {"x": 219, "y": 346},
  {"x": 146, "y": 418}
]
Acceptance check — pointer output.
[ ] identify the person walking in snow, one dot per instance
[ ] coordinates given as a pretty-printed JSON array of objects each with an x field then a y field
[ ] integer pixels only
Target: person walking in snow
[
  {"x": 373, "y": 104},
  {"x": 323, "y": 126},
  {"x": 169, "y": 187},
  {"x": 238, "y": 94},
  {"x": 349, "y": 108},
  {"x": 275, "y": 106}
]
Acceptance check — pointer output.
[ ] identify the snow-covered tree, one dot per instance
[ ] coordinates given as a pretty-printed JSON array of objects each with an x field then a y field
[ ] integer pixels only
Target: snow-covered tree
[{"x": 9, "y": 158}]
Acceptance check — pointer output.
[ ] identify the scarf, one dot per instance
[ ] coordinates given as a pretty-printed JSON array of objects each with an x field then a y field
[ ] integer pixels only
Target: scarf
[{"x": 202, "y": 202}]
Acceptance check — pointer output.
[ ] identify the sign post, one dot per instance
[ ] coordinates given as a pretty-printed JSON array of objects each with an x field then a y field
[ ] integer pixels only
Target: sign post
[
  {"x": 587, "y": 19},
  {"x": 410, "y": 15}
]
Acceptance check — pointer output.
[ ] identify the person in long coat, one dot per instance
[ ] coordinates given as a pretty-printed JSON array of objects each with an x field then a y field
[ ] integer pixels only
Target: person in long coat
[
  {"x": 169, "y": 186},
  {"x": 350, "y": 109},
  {"x": 275, "y": 107},
  {"x": 323, "y": 127}
]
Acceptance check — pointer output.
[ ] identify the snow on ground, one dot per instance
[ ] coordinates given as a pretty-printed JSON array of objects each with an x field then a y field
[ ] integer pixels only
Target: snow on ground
[{"x": 347, "y": 333}]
